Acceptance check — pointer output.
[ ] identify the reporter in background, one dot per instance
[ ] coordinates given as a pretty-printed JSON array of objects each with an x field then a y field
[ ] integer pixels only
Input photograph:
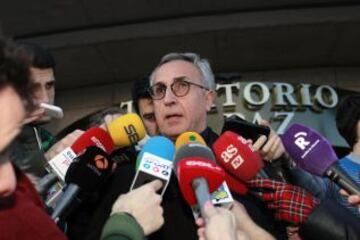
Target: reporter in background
[
  {"x": 348, "y": 125},
  {"x": 144, "y": 106},
  {"x": 35, "y": 145},
  {"x": 33, "y": 141},
  {"x": 136, "y": 214},
  {"x": 22, "y": 214}
]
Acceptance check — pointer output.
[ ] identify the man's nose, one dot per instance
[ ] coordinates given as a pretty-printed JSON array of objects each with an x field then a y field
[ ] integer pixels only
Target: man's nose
[
  {"x": 42, "y": 96},
  {"x": 169, "y": 96}
]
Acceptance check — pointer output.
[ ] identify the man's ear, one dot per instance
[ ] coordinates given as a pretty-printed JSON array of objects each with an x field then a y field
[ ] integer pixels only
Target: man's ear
[{"x": 210, "y": 98}]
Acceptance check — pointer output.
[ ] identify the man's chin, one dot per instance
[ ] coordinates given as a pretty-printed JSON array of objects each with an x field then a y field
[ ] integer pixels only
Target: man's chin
[{"x": 173, "y": 133}]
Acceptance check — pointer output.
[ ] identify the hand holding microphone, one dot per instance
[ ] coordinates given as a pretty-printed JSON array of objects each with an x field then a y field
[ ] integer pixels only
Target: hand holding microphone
[
  {"x": 88, "y": 173},
  {"x": 273, "y": 147},
  {"x": 313, "y": 153},
  {"x": 143, "y": 204},
  {"x": 67, "y": 141},
  {"x": 291, "y": 203},
  {"x": 218, "y": 223},
  {"x": 352, "y": 199}
]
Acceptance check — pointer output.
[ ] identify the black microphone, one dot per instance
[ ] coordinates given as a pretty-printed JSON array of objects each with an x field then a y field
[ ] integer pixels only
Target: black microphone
[{"x": 87, "y": 173}]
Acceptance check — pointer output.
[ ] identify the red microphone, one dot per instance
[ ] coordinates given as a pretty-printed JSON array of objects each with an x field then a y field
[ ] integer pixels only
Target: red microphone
[
  {"x": 198, "y": 174},
  {"x": 96, "y": 137},
  {"x": 237, "y": 156},
  {"x": 192, "y": 171},
  {"x": 236, "y": 185}
]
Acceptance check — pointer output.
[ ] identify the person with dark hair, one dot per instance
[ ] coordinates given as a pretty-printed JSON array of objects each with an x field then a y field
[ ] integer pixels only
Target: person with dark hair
[
  {"x": 348, "y": 125},
  {"x": 22, "y": 213},
  {"x": 143, "y": 105},
  {"x": 34, "y": 140}
]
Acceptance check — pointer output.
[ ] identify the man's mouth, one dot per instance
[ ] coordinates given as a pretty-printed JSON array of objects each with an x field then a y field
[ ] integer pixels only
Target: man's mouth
[{"x": 172, "y": 116}]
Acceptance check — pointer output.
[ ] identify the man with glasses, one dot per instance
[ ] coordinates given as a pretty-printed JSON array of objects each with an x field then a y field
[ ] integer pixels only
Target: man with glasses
[{"x": 183, "y": 90}]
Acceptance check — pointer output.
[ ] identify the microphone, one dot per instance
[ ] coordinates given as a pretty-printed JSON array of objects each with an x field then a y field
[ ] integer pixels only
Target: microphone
[
  {"x": 88, "y": 173},
  {"x": 92, "y": 137},
  {"x": 244, "y": 128},
  {"x": 313, "y": 153},
  {"x": 126, "y": 130},
  {"x": 222, "y": 196},
  {"x": 154, "y": 162},
  {"x": 237, "y": 156},
  {"x": 198, "y": 174}
]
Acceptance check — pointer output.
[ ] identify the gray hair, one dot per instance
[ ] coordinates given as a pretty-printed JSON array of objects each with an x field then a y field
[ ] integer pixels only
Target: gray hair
[{"x": 201, "y": 63}]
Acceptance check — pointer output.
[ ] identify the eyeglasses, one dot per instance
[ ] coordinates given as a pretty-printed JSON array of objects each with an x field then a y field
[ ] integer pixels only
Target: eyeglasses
[{"x": 180, "y": 87}]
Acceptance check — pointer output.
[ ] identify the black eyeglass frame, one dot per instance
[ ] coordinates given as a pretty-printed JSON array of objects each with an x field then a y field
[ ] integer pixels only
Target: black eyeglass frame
[{"x": 176, "y": 80}]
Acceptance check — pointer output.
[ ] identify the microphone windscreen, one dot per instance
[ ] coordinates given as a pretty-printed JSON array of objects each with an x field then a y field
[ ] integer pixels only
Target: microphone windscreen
[
  {"x": 188, "y": 137},
  {"x": 311, "y": 151},
  {"x": 159, "y": 146},
  {"x": 193, "y": 150},
  {"x": 126, "y": 130},
  {"x": 90, "y": 169},
  {"x": 236, "y": 185},
  {"x": 192, "y": 168},
  {"x": 237, "y": 156},
  {"x": 93, "y": 137}
]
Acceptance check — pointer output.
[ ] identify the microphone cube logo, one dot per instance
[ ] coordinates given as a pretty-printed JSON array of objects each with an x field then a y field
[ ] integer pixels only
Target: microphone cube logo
[
  {"x": 305, "y": 142},
  {"x": 132, "y": 134},
  {"x": 98, "y": 143},
  {"x": 155, "y": 165},
  {"x": 300, "y": 140},
  {"x": 231, "y": 153},
  {"x": 61, "y": 162}
]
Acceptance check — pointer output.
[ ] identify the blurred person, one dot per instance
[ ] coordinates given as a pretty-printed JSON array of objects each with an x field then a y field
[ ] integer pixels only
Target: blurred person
[
  {"x": 143, "y": 105},
  {"x": 22, "y": 214},
  {"x": 135, "y": 214}
]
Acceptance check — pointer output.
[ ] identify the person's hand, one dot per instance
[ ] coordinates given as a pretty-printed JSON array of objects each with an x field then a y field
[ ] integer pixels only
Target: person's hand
[
  {"x": 270, "y": 148},
  {"x": 108, "y": 118},
  {"x": 352, "y": 199},
  {"x": 35, "y": 115},
  {"x": 218, "y": 223},
  {"x": 67, "y": 141},
  {"x": 143, "y": 204},
  {"x": 291, "y": 203},
  {"x": 247, "y": 225},
  {"x": 293, "y": 233}
]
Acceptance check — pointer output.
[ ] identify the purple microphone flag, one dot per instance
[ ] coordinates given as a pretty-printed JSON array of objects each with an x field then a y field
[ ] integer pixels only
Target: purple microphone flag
[{"x": 311, "y": 151}]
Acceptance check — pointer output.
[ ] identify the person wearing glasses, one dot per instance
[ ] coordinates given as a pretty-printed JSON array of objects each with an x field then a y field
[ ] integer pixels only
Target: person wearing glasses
[{"x": 183, "y": 91}]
